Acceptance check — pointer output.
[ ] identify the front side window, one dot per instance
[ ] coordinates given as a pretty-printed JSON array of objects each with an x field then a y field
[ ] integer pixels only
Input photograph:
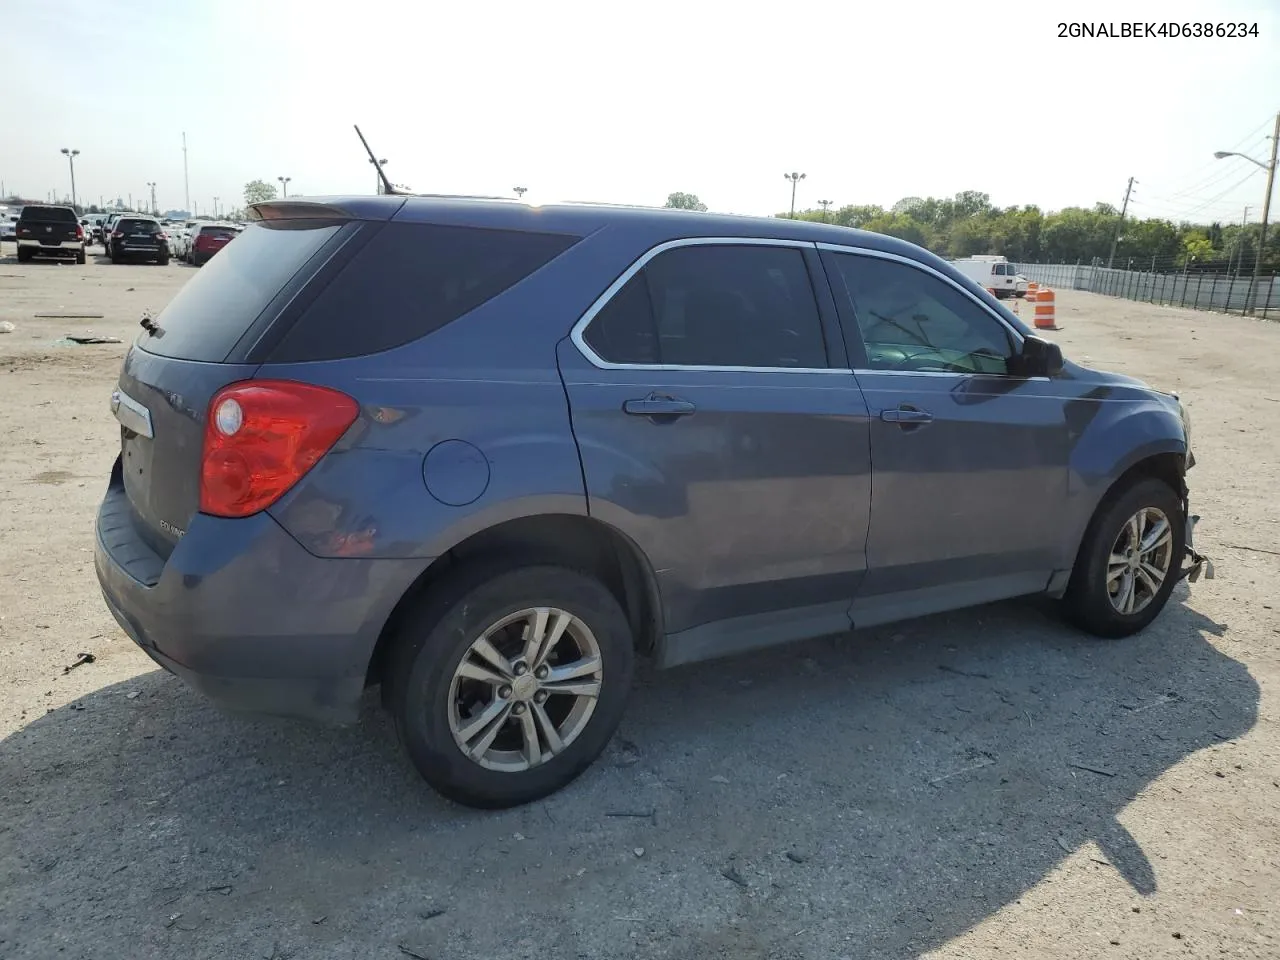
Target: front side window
[
  {"x": 912, "y": 320},
  {"x": 714, "y": 305}
]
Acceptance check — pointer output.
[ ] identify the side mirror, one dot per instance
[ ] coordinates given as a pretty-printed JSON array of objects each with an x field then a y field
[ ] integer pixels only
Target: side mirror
[{"x": 1040, "y": 358}]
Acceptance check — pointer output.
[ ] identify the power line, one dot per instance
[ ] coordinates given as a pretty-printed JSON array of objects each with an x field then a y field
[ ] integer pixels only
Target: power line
[
  {"x": 1249, "y": 136},
  {"x": 1238, "y": 183}
]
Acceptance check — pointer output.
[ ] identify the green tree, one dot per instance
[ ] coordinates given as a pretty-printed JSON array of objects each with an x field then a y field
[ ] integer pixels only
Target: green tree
[
  {"x": 685, "y": 201},
  {"x": 902, "y": 226},
  {"x": 258, "y": 191},
  {"x": 1197, "y": 246}
]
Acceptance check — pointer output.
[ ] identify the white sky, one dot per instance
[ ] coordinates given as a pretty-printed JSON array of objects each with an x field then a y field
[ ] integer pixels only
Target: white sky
[{"x": 600, "y": 101}]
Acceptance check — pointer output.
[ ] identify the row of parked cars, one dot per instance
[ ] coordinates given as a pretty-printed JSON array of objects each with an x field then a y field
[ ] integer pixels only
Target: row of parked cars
[{"x": 52, "y": 230}]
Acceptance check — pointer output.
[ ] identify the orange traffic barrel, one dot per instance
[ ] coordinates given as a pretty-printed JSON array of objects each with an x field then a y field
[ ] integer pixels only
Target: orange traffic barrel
[
  {"x": 1045, "y": 314},
  {"x": 1032, "y": 287}
]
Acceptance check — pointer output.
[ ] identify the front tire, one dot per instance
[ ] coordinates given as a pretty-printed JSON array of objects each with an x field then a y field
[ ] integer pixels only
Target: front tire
[
  {"x": 1129, "y": 560},
  {"x": 506, "y": 684}
]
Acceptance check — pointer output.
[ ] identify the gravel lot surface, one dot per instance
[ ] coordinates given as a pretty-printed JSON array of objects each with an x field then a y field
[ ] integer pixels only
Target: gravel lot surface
[{"x": 986, "y": 783}]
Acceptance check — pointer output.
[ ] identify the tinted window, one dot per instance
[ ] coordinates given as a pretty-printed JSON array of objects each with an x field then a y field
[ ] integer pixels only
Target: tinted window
[
  {"x": 912, "y": 320},
  {"x": 722, "y": 306},
  {"x": 49, "y": 215},
  {"x": 138, "y": 226},
  {"x": 409, "y": 280},
  {"x": 219, "y": 303},
  {"x": 217, "y": 232},
  {"x": 624, "y": 331}
]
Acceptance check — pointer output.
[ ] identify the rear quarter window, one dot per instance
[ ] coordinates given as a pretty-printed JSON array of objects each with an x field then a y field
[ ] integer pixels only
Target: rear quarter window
[{"x": 409, "y": 280}]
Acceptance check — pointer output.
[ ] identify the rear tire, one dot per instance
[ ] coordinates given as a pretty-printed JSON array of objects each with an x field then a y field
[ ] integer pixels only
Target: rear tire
[
  {"x": 436, "y": 707},
  {"x": 163, "y": 261},
  {"x": 24, "y": 256},
  {"x": 82, "y": 257},
  {"x": 1106, "y": 571}
]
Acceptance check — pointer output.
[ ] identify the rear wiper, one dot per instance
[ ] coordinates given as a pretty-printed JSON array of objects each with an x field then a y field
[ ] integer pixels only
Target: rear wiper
[{"x": 149, "y": 325}]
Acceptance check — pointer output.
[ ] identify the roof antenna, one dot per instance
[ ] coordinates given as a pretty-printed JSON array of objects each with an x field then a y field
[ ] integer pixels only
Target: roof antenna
[{"x": 382, "y": 174}]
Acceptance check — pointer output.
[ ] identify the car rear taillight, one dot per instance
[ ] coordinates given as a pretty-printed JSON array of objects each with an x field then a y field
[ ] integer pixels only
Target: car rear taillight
[
  {"x": 261, "y": 437},
  {"x": 117, "y": 233},
  {"x": 162, "y": 236},
  {"x": 79, "y": 232}
]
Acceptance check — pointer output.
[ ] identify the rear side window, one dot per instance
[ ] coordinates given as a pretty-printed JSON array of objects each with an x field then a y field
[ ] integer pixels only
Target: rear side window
[
  {"x": 217, "y": 305},
  {"x": 732, "y": 305},
  {"x": 49, "y": 215},
  {"x": 409, "y": 280}
]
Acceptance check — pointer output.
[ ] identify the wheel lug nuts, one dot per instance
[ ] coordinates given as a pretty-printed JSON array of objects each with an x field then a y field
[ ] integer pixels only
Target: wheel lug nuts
[
  {"x": 540, "y": 697},
  {"x": 504, "y": 693},
  {"x": 518, "y": 709},
  {"x": 521, "y": 669},
  {"x": 541, "y": 673}
]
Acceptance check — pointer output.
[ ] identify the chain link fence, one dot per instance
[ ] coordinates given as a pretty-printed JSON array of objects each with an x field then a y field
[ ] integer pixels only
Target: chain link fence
[{"x": 1200, "y": 291}]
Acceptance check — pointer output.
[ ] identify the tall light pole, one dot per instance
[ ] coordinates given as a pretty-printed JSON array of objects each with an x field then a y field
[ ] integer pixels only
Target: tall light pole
[
  {"x": 71, "y": 162},
  {"x": 215, "y": 206},
  {"x": 824, "y": 204},
  {"x": 284, "y": 182},
  {"x": 155, "y": 210},
  {"x": 1266, "y": 210},
  {"x": 795, "y": 178},
  {"x": 519, "y": 192},
  {"x": 186, "y": 182},
  {"x": 377, "y": 170}
]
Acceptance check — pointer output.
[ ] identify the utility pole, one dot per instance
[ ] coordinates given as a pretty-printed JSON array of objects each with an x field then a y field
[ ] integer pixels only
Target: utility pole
[
  {"x": 284, "y": 182},
  {"x": 1123, "y": 210},
  {"x": 824, "y": 204},
  {"x": 155, "y": 210},
  {"x": 215, "y": 206},
  {"x": 186, "y": 182},
  {"x": 1266, "y": 210}
]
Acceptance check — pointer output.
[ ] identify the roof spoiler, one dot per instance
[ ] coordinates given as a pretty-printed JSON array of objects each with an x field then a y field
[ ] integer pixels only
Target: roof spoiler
[{"x": 295, "y": 210}]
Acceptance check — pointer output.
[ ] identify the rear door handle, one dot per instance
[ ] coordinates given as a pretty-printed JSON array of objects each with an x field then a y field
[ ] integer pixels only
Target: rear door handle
[
  {"x": 906, "y": 416},
  {"x": 658, "y": 406}
]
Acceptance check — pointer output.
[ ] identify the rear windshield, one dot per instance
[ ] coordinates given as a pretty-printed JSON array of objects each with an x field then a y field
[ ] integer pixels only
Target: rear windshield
[
  {"x": 216, "y": 306},
  {"x": 49, "y": 215},
  {"x": 139, "y": 226},
  {"x": 217, "y": 231}
]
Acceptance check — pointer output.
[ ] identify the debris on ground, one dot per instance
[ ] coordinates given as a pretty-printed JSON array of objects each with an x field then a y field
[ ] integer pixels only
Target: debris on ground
[
  {"x": 412, "y": 953},
  {"x": 81, "y": 660},
  {"x": 6, "y": 327},
  {"x": 731, "y": 874},
  {"x": 68, "y": 316},
  {"x": 431, "y": 914},
  {"x": 641, "y": 814},
  {"x": 1098, "y": 770},
  {"x": 638, "y": 851},
  {"x": 83, "y": 339},
  {"x": 719, "y": 778},
  {"x": 796, "y": 856},
  {"x": 222, "y": 888}
]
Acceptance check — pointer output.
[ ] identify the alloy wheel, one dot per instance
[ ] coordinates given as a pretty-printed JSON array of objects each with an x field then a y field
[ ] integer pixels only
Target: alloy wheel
[
  {"x": 525, "y": 689},
  {"x": 1140, "y": 560}
]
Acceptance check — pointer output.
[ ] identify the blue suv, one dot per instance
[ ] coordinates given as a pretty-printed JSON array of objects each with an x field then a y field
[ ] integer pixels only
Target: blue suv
[{"x": 485, "y": 454}]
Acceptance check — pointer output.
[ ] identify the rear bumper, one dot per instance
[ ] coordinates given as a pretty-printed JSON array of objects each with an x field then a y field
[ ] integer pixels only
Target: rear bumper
[
  {"x": 242, "y": 613},
  {"x": 65, "y": 246}
]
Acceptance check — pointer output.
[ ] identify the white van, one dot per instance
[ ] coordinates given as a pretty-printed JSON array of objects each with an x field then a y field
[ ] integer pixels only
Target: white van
[{"x": 994, "y": 273}]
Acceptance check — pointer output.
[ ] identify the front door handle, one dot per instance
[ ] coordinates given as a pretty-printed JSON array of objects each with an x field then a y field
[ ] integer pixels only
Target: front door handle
[
  {"x": 906, "y": 416},
  {"x": 655, "y": 405}
]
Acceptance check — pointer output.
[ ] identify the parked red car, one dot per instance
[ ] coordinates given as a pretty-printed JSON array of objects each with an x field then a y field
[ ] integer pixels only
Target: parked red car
[{"x": 207, "y": 239}]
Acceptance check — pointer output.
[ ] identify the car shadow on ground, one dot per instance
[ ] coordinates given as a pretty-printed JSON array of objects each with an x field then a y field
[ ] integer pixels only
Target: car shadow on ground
[{"x": 869, "y": 795}]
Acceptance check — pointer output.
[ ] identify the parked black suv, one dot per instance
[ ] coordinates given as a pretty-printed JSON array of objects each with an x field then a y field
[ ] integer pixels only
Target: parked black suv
[
  {"x": 45, "y": 230},
  {"x": 138, "y": 238}
]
